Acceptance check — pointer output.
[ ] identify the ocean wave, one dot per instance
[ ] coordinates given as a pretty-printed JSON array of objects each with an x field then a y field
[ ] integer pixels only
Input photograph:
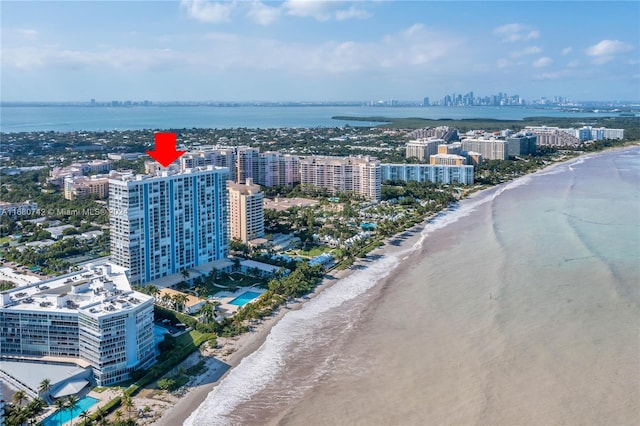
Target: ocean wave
[{"x": 298, "y": 330}]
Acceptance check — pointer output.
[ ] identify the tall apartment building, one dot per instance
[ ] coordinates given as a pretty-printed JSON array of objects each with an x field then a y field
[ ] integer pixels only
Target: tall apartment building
[
  {"x": 522, "y": 144},
  {"x": 267, "y": 169},
  {"x": 491, "y": 149},
  {"x": 276, "y": 169},
  {"x": 88, "y": 316},
  {"x": 164, "y": 223},
  {"x": 461, "y": 174},
  {"x": 218, "y": 157},
  {"x": 83, "y": 186},
  {"x": 553, "y": 136},
  {"x": 246, "y": 211},
  {"x": 422, "y": 149},
  {"x": 359, "y": 175},
  {"x": 445, "y": 133},
  {"x": 247, "y": 163}
]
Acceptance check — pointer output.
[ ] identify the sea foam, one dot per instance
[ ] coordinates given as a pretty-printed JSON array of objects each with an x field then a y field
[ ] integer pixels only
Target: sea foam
[{"x": 297, "y": 328}]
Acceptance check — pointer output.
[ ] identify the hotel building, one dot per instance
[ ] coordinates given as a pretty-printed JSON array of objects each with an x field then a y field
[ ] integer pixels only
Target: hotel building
[
  {"x": 246, "y": 211},
  {"x": 359, "y": 175},
  {"x": 461, "y": 174},
  {"x": 91, "y": 317},
  {"x": 162, "y": 224}
]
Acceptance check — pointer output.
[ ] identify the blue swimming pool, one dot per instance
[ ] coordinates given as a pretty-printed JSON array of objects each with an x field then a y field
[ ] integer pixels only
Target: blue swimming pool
[
  {"x": 59, "y": 418},
  {"x": 245, "y": 298}
]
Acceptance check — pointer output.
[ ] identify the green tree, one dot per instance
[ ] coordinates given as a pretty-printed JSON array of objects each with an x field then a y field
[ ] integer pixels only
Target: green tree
[{"x": 72, "y": 404}]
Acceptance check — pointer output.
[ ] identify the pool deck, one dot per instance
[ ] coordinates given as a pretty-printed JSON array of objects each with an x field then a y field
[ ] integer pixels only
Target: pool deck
[{"x": 224, "y": 297}]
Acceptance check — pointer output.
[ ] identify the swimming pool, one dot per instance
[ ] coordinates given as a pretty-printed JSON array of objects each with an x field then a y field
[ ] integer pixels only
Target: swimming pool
[
  {"x": 59, "y": 418},
  {"x": 245, "y": 298}
]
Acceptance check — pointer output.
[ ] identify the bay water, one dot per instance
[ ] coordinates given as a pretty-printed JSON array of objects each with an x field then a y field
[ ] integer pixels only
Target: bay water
[
  {"x": 100, "y": 118},
  {"x": 519, "y": 306}
]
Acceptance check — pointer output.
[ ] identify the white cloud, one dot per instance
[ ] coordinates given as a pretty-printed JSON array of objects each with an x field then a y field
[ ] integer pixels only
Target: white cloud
[
  {"x": 318, "y": 9},
  {"x": 606, "y": 50},
  {"x": 573, "y": 64},
  {"x": 263, "y": 14},
  {"x": 324, "y": 10},
  {"x": 532, "y": 50},
  {"x": 416, "y": 48},
  {"x": 352, "y": 13},
  {"x": 566, "y": 51},
  {"x": 516, "y": 32},
  {"x": 206, "y": 11},
  {"x": 542, "y": 62}
]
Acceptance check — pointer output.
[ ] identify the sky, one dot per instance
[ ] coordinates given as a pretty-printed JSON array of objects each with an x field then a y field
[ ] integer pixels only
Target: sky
[{"x": 312, "y": 50}]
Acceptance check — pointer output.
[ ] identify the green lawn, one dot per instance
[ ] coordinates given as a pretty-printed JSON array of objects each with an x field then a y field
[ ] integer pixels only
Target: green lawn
[{"x": 312, "y": 252}]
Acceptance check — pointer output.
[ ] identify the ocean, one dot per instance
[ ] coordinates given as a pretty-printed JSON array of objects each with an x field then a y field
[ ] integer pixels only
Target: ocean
[
  {"x": 519, "y": 306},
  {"x": 86, "y": 118}
]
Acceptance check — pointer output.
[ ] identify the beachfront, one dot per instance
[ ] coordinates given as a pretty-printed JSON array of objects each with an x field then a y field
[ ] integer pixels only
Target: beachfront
[{"x": 250, "y": 342}]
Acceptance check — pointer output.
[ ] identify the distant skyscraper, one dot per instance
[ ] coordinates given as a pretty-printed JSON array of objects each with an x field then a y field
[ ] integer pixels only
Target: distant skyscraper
[
  {"x": 246, "y": 211},
  {"x": 425, "y": 102},
  {"x": 165, "y": 223}
]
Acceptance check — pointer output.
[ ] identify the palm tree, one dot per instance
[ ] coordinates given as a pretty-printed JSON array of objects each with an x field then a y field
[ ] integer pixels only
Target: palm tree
[
  {"x": 152, "y": 290},
  {"x": 179, "y": 300},
  {"x": 101, "y": 416},
  {"x": 118, "y": 414},
  {"x": 61, "y": 405},
  {"x": 127, "y": 403},
  {"x": 19, "y": 397},
  {"x": 45, "y": 387},
  {"x": 166, "y": 299},
  {"x": 84, "y": 415},
  {"x": 72, "y": 403},
  {"x": 207, "y": 313}
]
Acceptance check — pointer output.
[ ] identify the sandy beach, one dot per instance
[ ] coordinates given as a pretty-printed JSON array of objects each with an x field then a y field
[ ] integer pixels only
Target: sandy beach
[{"x": 232, "y": 351}]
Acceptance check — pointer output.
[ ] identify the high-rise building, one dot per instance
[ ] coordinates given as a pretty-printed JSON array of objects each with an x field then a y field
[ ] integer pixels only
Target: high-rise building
[
  {"x": 84, "y": 186},
  {"x": 522, "y": 144},
  {"x": 491, "y": 149},
  {"x": 276, "y": 169},
  {"x": 162, "y": 224},
  {"x": 422, "y": 149},
  {"x": 359, "y": 175},
  {"x": 247, "y": 160},
  {"x": 246, "y": 211},
  {"x": 91, "y": 316}
]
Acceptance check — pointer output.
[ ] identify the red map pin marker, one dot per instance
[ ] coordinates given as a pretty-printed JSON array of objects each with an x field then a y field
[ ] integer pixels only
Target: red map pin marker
[{"x": 165, "y": 152}]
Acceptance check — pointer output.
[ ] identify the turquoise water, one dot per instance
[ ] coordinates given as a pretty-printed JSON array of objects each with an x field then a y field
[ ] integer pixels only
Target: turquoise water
[
  {"x": 74, "y": 118},
  {"x": 57, "y": 418},
  {"x": 244, "y": 298}
]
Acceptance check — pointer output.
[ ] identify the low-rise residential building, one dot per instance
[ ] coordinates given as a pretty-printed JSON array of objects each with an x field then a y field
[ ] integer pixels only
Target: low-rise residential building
[
  {"x": 461, "y": 174},
  {"x": 83, "y": 186}
]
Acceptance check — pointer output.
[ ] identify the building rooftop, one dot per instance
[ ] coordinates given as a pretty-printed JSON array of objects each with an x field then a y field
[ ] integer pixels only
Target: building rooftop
[
  {"x": 130, "y": 177},
  {"x": 95, "y": 290}
]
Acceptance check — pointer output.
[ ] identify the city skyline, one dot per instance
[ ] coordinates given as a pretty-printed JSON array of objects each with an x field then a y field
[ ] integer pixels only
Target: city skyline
[{"x": 317, "y": 50}]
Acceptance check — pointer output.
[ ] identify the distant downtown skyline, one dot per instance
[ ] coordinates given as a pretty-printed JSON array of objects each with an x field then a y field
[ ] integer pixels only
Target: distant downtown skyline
[{"x": 297, "y": 50}]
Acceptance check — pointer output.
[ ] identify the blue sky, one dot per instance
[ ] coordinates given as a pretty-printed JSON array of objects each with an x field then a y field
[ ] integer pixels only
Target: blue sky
[{"x": 317, "y": 50}]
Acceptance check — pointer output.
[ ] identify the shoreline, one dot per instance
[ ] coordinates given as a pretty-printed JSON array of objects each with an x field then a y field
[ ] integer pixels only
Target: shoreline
[{"x": 220, "y": 361}]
